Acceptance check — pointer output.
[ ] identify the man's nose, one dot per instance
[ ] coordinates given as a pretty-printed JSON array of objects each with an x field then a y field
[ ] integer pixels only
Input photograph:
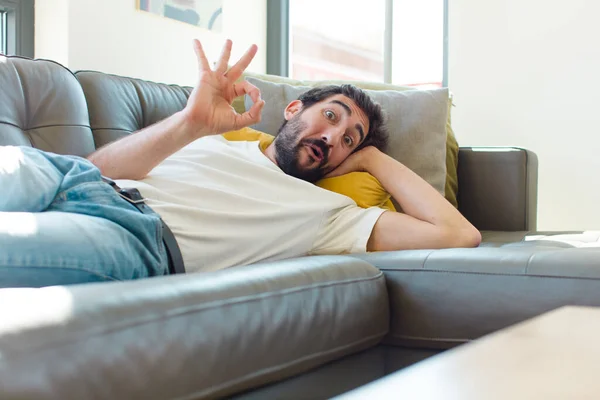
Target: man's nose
[{"x": 331, "y": 137}]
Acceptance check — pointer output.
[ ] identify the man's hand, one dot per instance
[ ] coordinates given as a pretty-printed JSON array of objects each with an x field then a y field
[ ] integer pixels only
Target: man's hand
[
  {"x": 208, "y": 112},
  {"x": 356, "y": 162},
  {"x": 209, "y": 108},
  {"x": 427, "y": 220}
]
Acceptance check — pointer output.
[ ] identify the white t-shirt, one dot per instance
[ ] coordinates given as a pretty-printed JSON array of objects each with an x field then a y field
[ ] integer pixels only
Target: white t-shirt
[{"x": 228, "y": 205}]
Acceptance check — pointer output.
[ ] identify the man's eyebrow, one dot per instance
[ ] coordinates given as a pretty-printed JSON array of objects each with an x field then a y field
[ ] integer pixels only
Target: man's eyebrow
[
  {"x": 349, "y": 111},
  {"x": 360, "y": 132},
  {"x": 344, "y": 105}
]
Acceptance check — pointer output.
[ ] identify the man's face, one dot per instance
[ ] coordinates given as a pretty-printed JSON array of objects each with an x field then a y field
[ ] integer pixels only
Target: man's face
[{"x": 315, "y": 140}]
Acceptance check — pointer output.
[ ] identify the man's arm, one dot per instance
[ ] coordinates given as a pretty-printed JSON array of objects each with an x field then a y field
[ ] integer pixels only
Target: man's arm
[
  {"x": 208, "y": 112},
  {"x": 429, "y": 222},
  {"x": 134, "y": 156}
]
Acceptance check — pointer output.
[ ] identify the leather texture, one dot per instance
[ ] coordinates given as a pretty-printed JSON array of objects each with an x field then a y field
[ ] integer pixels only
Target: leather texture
[
  {"x": 42, "y": 105},
  {"x": 443, "y": 298},
  {"x": 188, "y": 336},
  {"x": 119, "y": 106},
  {"x": 497, "y": 188}
]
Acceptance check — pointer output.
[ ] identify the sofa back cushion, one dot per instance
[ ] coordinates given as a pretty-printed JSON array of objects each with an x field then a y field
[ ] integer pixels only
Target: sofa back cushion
[
  {"x": 119, "y": 106},
  {"x": 43, "y": 106}
]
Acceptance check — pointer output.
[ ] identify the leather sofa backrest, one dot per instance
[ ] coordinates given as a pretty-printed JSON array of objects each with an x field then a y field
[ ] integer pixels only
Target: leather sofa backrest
[
  {"x": 42, "y": 105},
  {"x": 119, "y": 106}
]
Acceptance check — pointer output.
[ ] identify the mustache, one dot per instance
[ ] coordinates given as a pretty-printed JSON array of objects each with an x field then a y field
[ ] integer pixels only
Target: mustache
[{"x": 321, "y": 145}]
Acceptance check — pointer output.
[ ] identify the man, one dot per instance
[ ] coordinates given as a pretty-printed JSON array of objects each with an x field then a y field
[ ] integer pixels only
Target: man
[{"x": 226, "y": 202}]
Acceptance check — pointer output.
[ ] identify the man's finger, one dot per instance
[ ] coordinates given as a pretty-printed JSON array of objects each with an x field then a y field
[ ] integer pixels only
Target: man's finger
[
  {"x": 224, "y": 59},
  {"x": 253, "y": 115},
  {"x": 203, "y": 64},
  {"x": 250, "y": 117},
  {"x": 238, "y": 69},
  {"x": 245, "y": 87},
  {"x": 344, "y": 168}
]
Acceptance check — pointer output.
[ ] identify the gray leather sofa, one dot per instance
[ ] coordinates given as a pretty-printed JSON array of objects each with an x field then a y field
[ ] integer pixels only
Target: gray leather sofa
[{"x": 311, "y": 327}]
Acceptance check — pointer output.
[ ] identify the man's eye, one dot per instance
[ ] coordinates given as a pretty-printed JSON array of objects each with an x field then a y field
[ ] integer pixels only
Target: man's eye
[
  {"x": 330, "y": 114},
  {"x": 348, "y": 140}
]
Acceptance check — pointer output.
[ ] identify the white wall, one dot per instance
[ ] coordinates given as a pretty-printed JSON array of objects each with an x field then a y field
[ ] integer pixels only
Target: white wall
[
  {"x": 526, "y": 73},
  {"x": 51, "y": 30},
  {"x": 112, "y": 36}
]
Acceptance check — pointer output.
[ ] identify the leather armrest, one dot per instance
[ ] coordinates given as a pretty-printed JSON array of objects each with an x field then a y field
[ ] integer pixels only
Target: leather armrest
[{"x": 497, "y": 188}]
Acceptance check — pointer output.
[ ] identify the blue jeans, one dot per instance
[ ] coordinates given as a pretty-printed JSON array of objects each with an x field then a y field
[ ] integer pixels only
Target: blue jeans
[{"x": 60, "y": 224}]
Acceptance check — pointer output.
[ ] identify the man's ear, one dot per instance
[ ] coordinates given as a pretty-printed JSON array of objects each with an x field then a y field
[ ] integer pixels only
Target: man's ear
[{"x": 292, "y": 109}]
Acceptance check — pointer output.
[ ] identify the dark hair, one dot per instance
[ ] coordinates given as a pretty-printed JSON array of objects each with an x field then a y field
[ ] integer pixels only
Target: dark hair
[{"x": 377, "y": 135}]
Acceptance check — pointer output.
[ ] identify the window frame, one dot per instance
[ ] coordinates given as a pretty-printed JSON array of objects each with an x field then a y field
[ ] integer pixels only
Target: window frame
[
  {"x": 3, "y": 32},
  {"x": 19, "y": 18},
  {"x": 278, "y": 39}
]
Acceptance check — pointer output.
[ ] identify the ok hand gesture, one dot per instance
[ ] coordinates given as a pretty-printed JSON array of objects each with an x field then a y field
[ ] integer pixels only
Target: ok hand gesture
[{"x": 209, "y": 105}]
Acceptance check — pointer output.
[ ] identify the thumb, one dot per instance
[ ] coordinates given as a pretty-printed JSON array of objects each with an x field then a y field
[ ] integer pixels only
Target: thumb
[{"x": 250, "y": 117}]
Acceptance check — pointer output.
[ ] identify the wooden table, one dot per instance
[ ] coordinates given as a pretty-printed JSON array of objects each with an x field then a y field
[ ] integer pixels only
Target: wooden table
[{"x": 553, "y": 356}]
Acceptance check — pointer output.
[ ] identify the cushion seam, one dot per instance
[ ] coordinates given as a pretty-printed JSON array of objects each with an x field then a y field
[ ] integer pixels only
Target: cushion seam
[
  {"x": 11, "y": 124},
  {"x": 433, "y": 339},
  {"x": 58, "y": 126},
  {"x": 181, "y": 311},
  {"x": 490, "y": 273},
  {"x": 529, "y": 262},
  {"x": 45, "y": 126},
  {"x": 425, "y": 259},
  {"x": 112, "y": 129},
  {"x": 141, "y": 100}
]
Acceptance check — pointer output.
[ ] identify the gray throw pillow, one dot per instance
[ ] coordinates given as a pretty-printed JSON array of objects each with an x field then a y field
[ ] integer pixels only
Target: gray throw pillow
[{"x": 416, "y": 121}]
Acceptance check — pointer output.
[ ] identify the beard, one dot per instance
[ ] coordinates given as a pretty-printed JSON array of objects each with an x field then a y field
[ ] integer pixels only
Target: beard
[{"x": 287, "y": 151}]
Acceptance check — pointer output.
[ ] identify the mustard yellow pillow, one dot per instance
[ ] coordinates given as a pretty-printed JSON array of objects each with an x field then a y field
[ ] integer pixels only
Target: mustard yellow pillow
[
  {"x": 250, "y": 135},
  {"x": 452, "y": 149},
  {"x": 361, "y": 187}
]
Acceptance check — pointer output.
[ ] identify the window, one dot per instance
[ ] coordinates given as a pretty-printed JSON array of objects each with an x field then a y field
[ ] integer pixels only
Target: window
[
  {"x": 392, "y": 41},
  {"x": 417, "y": 57},
  {"x": 330, "y": 40},
  {"x": 17, "y": 27}
]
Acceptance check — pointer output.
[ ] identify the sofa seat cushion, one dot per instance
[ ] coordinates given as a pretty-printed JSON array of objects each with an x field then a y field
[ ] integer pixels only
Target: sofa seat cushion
[
  {"x": 441, "y": 298},
  {"x": 188, "y": 336}
]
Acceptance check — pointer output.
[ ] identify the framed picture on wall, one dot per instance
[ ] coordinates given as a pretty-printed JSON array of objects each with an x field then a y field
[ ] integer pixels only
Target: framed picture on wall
[{"x": 206, "y": 14}]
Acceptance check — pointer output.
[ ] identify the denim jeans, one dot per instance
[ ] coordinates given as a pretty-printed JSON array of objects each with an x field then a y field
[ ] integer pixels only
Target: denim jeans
[{"x": 60, "y": 224}]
